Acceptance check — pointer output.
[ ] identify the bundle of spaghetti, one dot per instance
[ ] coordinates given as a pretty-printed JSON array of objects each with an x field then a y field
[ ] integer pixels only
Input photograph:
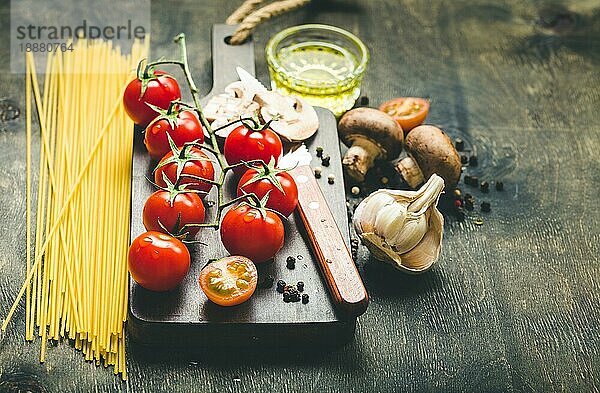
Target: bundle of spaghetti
[{"x": 76, "y": 279}]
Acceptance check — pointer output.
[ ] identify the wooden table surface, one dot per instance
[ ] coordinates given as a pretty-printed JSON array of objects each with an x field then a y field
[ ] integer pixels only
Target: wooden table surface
[{"x": 512, "y": 305}]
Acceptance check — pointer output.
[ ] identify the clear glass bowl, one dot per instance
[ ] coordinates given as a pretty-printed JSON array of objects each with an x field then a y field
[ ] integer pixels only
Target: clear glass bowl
[{"x": 320, "y": 63}]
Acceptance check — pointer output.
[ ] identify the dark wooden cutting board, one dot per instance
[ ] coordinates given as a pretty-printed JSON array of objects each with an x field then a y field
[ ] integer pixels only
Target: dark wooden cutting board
[{"x": 184, "y": 316}]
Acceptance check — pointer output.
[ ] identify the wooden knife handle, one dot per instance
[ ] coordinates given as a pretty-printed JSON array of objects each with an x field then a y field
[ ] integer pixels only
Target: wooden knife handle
[{"x": 329, "y": 246}]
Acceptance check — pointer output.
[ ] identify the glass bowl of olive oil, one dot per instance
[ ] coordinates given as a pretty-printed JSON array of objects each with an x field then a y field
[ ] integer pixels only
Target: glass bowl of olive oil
[{"x": 320, "y": 63}]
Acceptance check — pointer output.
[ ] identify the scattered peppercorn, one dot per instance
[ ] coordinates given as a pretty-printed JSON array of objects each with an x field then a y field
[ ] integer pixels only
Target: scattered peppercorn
[
  {"x": 317, "y": 172},
  {"x": 331, "y": 178},
  {"x": 319, "y": 151},
  {"x": 484, "y": 186},
  {"x": 473, "y": 160},
  {"x": 459, "y": 144},
  {"x": 457, "y": 193},
  {"x": 326, "y": 160},
  {"x": 478, "y": 221},
  {"x": 290, "y": 262},
  {"x": 464, "y": 159},
  {"x": 300, "y": 286},
  {"x": 457, "y": 203},
  {"x": 304, "y": 298},
  {"x": 364, "y": 101},
  {"x": 286, "y": 297},
  {"x": 474, "y": 181},
  {"x": 486, "y": 207},
  {"x": 468, "y": 179},
  {"x": 280, "y": 286},
  {"x": 384, "y": 180},
  {"x": 355, "y": 190},
  {"x": 499, "y": 186}
]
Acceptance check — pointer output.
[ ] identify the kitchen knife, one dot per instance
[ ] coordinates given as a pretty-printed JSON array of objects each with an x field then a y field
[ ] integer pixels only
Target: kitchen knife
[{"x": 330, "y": 249}]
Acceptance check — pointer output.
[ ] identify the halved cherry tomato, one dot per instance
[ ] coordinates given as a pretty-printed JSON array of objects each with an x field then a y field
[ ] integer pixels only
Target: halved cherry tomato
[
  {"x": 252, "y": 232},
  {"x": 246, "y": 144},
  {"x": 194, "y": 163},
  {"x": 229, "y": 281},
  {"x": 282, "y": 189},
  {"x": 174, "y": 212},
  {"x": 157, "y": 261},
  {"x": 159, "y": 89},
  {"x": 409, "y": 112},
  {"x": 182, "y": 125}
]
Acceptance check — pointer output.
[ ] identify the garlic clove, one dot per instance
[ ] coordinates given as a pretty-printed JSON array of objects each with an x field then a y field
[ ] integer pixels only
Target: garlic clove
[
  {"x": 368, "y": 211},
  {"x": 422, "y": 257},
  {"x": 390, "y": 220},
  {"x": 410, "y": 235}
]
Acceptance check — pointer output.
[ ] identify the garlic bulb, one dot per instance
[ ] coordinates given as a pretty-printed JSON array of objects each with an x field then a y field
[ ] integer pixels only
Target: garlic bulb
[{"x": 403, "y": 228}]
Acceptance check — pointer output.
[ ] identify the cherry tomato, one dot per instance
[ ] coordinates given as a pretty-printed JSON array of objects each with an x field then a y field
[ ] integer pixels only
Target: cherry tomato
[
  {"x": 254, "y": 233},
  {"x": 246, "y": 144},
  {"x": 183, "y": 126},
  {"x": 194, "y": 162},
  {"x": 282, "y": 189},
  {"x": 173, "y": 212},
  {"x": 409, "y": 112},
  {"x": 161, "y": 89},
  {"x": 229, "y": 281},
  {"x": 157, "y": 261}
]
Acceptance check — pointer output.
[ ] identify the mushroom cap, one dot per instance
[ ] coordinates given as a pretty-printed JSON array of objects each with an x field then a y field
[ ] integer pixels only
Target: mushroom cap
[
  {"x": 434, "y": 152},
  {"x": 374, "y": 125}
]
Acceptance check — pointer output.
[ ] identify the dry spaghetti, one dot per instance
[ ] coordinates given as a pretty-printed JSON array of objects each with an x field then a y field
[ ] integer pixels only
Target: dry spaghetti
[{"x": 76, "y": 280}]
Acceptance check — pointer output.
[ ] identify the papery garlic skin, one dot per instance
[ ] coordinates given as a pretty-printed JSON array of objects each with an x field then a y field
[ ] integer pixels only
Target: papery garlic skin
[{"x": 403, "y": 228}]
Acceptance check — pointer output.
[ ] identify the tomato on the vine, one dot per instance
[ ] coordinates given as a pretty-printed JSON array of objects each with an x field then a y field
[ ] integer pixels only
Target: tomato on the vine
[
  {"x": 152, "y": 87},
  {"x": 190, "y": 164},
  {"x": 247, "y": 143},
  {"x": 173, "y": 211},
  {"x": 229, "y": 281},
  {"x": 280, "y": 185},
  {"x": 157, "y": 261},
  {"x": 253, "y": 232},
  {"x": 409, "y": 112},
  {"x": 182, "y": 125}
]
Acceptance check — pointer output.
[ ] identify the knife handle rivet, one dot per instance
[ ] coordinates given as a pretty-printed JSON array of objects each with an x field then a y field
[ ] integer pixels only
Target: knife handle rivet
[
  {"x": 301, "y": 179},
  {"x": 314, "y": 205}
]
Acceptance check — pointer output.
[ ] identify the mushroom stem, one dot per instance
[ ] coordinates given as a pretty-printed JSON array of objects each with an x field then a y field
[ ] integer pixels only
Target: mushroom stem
[
  {"x": 360, "y": 158},
  {"x": 410, "y": 172}
]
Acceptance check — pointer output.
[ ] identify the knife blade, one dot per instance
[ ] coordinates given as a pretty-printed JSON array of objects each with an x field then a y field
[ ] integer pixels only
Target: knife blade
[{"x": 330, "y": 249}]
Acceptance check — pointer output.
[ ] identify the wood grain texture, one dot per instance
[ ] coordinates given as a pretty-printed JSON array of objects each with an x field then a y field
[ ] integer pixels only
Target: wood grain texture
[{"x": 513, "y": 305}]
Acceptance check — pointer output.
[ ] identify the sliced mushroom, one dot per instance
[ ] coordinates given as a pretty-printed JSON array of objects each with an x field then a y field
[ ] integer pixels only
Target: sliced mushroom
[
  {"x": 291, "y": 117},
  {"x": 371, "y": 134},
  {"x": 229, "y": 106},
  {"x": 430, "y": 151}
]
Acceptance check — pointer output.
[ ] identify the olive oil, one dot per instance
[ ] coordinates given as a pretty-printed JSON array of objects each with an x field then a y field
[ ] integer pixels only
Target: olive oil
[{"x": 322, "y": 73}]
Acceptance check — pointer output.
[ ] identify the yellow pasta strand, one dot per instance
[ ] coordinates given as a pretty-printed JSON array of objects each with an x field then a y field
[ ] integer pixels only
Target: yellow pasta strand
[{"x": 76, "y": 276}]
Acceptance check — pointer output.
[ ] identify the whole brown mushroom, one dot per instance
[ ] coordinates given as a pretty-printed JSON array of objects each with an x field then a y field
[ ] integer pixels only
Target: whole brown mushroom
[
  {"x": 371, "y": 134},
  {"x": 430, "y": 151}
]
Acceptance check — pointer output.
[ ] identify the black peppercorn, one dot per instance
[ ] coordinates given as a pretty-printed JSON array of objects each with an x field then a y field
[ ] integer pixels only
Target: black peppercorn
[
  {"x": 473, "y": 160},
  {"x": 305, "y": 298},
  {"x": 486, "y": 207},
  {"x": 280, "y": 286},
  {"x": 459, "y": 144},
  {"x": 499, "y": 186},
  {"x": 326, "y": 160},
  {"x": 286, "y": 297},
  {"x": 300, "y": 286},
  {"x": 364, "y": 101},
  {"x": 484, "y": 186},
  {"x": 464, "y": 159},
  {"x": 319, "y": 151}
]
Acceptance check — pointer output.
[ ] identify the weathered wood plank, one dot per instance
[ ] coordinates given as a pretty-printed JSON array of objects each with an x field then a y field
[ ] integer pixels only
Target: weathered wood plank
[{"x": 512, "y": 305}]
